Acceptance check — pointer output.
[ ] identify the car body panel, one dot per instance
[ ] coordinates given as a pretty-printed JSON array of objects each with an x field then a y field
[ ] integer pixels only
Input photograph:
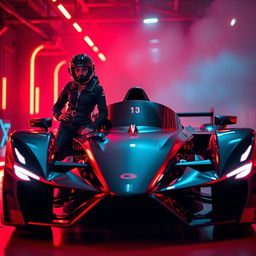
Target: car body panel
[{"x": 203, "y": 176}]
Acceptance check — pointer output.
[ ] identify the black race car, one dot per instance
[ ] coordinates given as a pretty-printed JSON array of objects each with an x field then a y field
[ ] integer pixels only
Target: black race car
[{"x": 203, "y": 176}]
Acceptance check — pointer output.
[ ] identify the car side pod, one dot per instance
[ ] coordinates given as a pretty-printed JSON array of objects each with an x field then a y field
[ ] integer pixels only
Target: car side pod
[
  {"x": 198, "y": 173},
  {"x": 43, "y": 123},
  {"x": 63, "y": 167}
]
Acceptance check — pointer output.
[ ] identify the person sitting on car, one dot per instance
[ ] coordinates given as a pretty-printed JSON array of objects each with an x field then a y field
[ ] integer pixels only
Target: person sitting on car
[{"x": 82, "y": 94}]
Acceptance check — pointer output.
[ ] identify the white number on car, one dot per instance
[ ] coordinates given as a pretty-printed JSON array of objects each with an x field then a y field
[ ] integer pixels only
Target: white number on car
[{"x": 135, "y": 110}]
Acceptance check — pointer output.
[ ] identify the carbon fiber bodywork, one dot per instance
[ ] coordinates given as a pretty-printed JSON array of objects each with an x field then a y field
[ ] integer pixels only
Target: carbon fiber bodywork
[{"x": 144, "y": 155}]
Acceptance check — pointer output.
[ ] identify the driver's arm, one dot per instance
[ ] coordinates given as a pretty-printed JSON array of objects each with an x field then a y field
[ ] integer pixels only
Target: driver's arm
[
  {"x": 102, "y": 107},
  {"x": 59, "y": 105}
]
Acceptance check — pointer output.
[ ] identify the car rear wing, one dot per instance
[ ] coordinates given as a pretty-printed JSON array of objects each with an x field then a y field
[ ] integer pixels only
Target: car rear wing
[{"x": 198, "y": 114}]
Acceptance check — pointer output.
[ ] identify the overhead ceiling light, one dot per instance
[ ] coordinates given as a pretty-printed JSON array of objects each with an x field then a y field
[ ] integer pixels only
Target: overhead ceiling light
[
  {"x": 154, "y": 41},
  {"x": 64, "y": 11},
  {"x": 102, "y": 57},
  {"x": 233, "y": 22},
  {"x": 95, "y": 48},
  {"x": 150, "y": 20},
  {"x": 77, "y": 27},
  {"x": 89, "y": 41}
]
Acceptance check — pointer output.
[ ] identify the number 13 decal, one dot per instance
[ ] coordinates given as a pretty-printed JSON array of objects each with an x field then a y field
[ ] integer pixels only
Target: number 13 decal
[{"x": 135, "y": 110}]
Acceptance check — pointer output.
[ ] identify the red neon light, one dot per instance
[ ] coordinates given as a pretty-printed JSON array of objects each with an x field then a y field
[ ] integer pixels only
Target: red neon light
[
  {"x": 32, "y": 78},
  {"x": 4, "y": 84},
  {"x": 37, "y": 99},
  {"x": 89, "y": 153},
  {"x": 102, "y": 57},
  {"x": 77, "y": 27},
  {"x": 60, "y": 221},
  {"x": 3, "y": 30},
  {"x": 56, "y": 80},
  {"x": 64, "y": 11},
  {"x": 88, "y": 40}
]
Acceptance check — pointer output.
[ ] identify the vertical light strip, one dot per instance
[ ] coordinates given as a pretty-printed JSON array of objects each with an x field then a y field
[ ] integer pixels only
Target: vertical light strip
[
  {"x": 37, "y": 94},
  {"x": 4, "y": 85},
  {"x": 32, "y": 78},
  {"x": 56, "y": 80}
]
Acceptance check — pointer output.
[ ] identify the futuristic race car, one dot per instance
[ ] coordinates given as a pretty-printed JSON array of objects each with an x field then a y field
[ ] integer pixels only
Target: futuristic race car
[{"x": 202, "y": 176}]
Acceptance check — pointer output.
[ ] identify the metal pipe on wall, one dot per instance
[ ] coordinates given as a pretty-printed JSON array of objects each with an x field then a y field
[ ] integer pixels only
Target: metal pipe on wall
[{"x": 8, "y": 8}]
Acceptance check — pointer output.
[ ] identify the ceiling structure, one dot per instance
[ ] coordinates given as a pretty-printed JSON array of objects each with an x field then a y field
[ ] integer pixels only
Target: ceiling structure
[{"x": 42, "y": 16}]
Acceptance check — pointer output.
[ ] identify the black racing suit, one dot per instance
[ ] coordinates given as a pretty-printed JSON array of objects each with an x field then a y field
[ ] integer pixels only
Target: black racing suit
[{"x": 80, "y": 107}]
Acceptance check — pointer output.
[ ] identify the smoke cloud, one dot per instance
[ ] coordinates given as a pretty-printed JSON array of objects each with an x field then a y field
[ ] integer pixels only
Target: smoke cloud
[
  {"x": 189, "y": 68},
  {"x": 219, "y": 64}
]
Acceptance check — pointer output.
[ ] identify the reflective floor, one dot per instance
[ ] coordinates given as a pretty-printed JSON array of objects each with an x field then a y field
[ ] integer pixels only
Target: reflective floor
[{"x": 142, "y": 238}]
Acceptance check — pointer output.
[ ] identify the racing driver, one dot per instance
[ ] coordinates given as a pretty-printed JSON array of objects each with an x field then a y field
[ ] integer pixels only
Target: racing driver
[{"x": 81, "y": 94}]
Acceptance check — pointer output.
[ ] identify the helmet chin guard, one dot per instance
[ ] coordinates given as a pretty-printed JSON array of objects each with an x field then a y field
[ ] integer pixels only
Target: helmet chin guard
[
  {"x": 83, "y": 79},
  {"x": 81, "y": 60}
]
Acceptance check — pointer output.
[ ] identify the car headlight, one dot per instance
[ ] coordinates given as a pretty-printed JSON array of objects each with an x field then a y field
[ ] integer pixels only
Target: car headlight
[
  {"x": 246, "y": 153},
  {"x": 24, "y": 174},
  {"x": 241, "y": 172},
  {"x": 20, "y": 157}
]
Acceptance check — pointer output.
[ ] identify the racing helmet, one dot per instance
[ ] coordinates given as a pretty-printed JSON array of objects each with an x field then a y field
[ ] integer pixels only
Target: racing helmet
[{"x": 81, "y": 60}]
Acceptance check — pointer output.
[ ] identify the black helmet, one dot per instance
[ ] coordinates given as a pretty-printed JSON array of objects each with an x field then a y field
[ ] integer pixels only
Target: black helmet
[{"x": 81, "y": 60}]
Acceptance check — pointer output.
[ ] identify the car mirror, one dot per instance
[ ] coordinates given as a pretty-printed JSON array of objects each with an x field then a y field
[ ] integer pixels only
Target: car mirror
[
  {"x": 43, "y": 123},
  {"x": 225, "y": 120}
]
